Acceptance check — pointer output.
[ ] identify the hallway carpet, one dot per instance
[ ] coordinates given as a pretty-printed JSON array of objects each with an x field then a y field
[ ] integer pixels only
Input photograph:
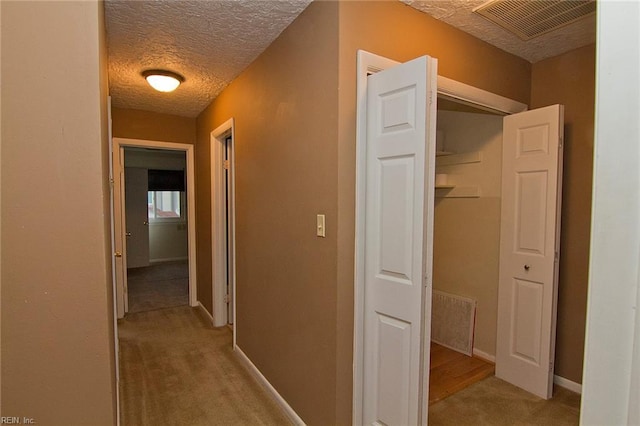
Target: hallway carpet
[
  {"x": 161, "y": 285},
  {"x": 176, "y": 369},
  {"x": 498, "y": 403}
]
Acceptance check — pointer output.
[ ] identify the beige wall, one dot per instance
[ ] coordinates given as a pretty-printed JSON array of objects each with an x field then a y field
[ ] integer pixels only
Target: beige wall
[
  {"x": 295, "y": 293},
  {"x": 569, "y": 79},
  {"x": 285, "y": 111},
  {"x": 466, "y": 231},
  {"x": 153, "y": 126},
  {"x": 57, "y": 332},
  {"x": 0, "y": 219}
]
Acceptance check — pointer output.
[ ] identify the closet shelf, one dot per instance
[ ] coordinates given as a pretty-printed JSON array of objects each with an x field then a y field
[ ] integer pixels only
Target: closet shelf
[
  {"x": 452, "y": 191},
  {"x": 443, "y": 153},
  {"x": 445, "y": 186},
  {"x": 463, "y": 158}
]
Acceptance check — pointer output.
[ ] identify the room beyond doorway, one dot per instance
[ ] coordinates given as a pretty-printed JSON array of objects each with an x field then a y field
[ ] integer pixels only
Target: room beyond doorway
[
  {"x": 120, "y": 226},
  {"x": 158, "y": 286}
]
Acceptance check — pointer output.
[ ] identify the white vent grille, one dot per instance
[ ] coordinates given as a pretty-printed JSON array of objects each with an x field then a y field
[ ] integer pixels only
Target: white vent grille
[
  {"x": 531, "y": 18},
  {"x": 452, "y": 321}
]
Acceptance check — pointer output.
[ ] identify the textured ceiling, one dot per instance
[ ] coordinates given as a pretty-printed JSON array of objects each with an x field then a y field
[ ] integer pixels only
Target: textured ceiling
[
  {"x": 208, "y": 42},
  {"x": 459, "y": 13}
]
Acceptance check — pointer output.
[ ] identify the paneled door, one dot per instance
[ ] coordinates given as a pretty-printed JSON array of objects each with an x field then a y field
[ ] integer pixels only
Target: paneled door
[
  {"x": 398, "y": 242},
  {"x": 530, "y": 248}
]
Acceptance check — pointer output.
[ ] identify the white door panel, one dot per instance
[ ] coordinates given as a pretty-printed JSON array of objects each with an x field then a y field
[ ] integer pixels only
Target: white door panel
[
  {"x": 529, "y": 247},
  {"x": 398, "y": 225}
]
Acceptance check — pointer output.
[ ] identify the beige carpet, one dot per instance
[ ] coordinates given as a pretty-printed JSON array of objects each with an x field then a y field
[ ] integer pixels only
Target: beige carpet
[
  {"x": 494, "y": 402},
  {"x": 158, "y": 286},
  {"x": 176, "y": 369}
]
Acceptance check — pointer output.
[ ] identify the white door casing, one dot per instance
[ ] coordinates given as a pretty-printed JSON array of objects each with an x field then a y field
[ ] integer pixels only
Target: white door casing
[
  {"x": 398, "y": 232},
  {"x": 223, "y": 224},
  {"x": 120, "y": 258},
  {"x": 137, "y": 217},
  {"x": 529, "y": 248},
  {"x": 231, "y": 251},
  {"x": 119, "y": 209}
]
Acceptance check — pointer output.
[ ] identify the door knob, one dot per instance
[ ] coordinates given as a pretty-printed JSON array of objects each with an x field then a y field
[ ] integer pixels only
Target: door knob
[
  {"x": 527, "y": 267},
  {"x": 128, "y": 234},
  {"x": 145, "y": 223}
]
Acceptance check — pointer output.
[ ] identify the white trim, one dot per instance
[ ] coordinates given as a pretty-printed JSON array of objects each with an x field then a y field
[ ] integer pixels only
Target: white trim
[
  {"x": 368, "y": 63},
  {"x": 205, "y": 312},
  {"x": 484, "y": 356},
  {"x": 567, "y": 384},
  {"x": 477, "y": 97},
  {"x": 189, "y": 150},
  {"x": 219, "y": 225},
  {"x": 293, "y": 416},
  {"x": 113, "y": 263},
  {"x": 611, "y": 372}
]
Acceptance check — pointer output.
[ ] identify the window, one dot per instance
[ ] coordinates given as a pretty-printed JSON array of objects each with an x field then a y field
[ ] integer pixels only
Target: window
[{"x": 165, "y": 205}]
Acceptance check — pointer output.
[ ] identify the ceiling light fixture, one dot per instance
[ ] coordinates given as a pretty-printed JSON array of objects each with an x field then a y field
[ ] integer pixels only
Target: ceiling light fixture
[{"x": 163, "y": 81}]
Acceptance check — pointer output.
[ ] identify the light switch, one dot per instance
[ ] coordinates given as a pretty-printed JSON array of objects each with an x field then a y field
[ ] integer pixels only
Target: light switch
[{"x": 320, "y": 225}]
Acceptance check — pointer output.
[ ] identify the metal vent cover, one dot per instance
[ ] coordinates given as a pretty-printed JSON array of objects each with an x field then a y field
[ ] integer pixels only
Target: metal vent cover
[{"x": 531, "y": 18}]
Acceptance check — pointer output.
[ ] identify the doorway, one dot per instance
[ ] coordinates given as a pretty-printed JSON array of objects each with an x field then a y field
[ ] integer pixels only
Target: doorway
[
  {"x": 466, "y": 246},
  {"x": 156, "y": 229},
  {"x": 120, "y": 211},
  {"x": 223, "y": 224}
]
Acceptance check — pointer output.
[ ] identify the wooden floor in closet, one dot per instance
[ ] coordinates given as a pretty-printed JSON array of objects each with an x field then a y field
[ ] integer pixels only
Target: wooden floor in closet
[{"x": 451, "y": 371}]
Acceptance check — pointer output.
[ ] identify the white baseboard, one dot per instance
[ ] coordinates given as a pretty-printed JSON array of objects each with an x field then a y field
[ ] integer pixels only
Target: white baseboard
[
  {"x": 205, "y": 312},
  {"x": 567, "y": 384},
  {"x": 293, "y": 416},
  {"x": 483, "y": 355}
]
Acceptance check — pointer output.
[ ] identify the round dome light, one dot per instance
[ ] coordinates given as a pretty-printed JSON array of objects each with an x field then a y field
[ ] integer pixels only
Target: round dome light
[{"x": 163, "y": 81}]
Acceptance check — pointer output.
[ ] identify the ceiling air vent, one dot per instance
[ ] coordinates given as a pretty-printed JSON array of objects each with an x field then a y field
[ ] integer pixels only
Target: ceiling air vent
[{"x": 531, "y": 18}]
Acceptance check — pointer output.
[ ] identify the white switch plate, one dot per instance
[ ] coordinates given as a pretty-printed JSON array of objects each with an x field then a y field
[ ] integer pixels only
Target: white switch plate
[{"x": 320, "y": 229}]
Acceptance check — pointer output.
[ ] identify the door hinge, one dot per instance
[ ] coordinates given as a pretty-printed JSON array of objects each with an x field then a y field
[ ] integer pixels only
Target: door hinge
[
  {"x": 561, "y": 143},
  {"x": 227, "y": 298},
  {"x": 427, "y": 280},
  {"x": 550, "y": 366},
  {"x": 556, "y": 257},
  {"x": 111, "y": 181},
  {"x": 225, "y": 164}
]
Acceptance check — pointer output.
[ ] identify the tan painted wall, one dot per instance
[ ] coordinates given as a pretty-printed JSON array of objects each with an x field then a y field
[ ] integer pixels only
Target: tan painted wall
[
  {"x": 391, "y": 29},
  {"x": 569, "y": 79},
  {"x": 0, "y": 217},
  {"x": 57, "y": 352},
  {"x": 153, "y": 126},
  {"x": 285, "y": 111},
  {"x": 466, "y": 231}
]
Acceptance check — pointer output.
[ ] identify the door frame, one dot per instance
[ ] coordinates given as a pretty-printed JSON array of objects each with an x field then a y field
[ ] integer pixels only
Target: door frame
[
  {"x": 119, "y": 210},
  {"x": 219, "y": 226},
  {"x": 369, "y": 63}
]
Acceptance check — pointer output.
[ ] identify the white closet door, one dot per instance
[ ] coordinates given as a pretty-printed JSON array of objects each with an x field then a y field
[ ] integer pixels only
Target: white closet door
[
  {"x": 398, "y": 232},
  {"x": 529, "y": 248}
]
